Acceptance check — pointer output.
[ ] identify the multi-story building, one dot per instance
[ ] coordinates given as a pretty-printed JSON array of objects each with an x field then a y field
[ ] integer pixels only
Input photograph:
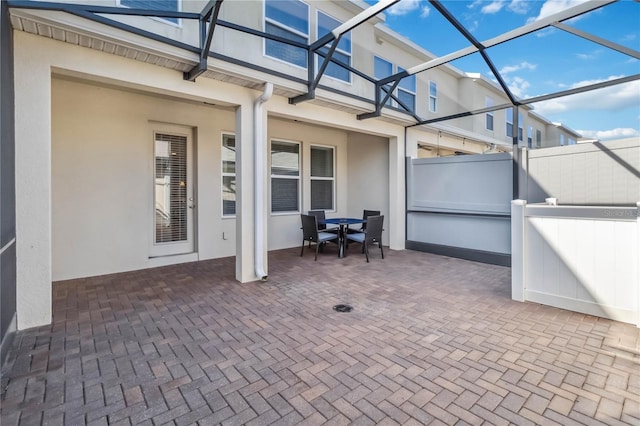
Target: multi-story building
[{"x": 133, "y": 149}]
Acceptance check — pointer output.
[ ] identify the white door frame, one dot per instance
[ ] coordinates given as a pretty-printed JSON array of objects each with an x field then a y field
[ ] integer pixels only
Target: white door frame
[{"x": 182, "y": 246}]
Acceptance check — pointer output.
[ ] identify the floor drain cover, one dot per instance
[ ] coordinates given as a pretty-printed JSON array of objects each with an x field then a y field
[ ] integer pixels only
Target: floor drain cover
[{"x": 343, "y": 308}]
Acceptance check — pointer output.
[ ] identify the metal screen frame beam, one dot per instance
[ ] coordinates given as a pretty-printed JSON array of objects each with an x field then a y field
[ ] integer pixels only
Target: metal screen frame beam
[
  {"x": 334, "y": 36},
  {"x": 209, "y": 16},
  {"x": 599, "y": 40}
]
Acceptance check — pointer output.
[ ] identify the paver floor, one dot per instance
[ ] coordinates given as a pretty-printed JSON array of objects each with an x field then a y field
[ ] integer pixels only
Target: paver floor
[{"x": 431, "y": 340}]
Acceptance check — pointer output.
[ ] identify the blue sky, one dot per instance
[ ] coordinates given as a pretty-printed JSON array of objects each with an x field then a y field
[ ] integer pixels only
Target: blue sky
[{"x": 548, "y": 61}]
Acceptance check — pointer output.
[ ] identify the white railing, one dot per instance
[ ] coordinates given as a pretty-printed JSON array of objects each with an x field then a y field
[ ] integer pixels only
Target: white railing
[{"x": 581, "y": 258}]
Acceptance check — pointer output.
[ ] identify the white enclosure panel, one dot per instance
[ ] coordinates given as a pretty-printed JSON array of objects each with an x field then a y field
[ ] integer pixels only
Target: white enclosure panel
[
  {"x": 585, "y": 264},
  {"x": 587, "y": 173},
  {"x": 472, "y": 232},
  {"x": 468, "y": 183}
]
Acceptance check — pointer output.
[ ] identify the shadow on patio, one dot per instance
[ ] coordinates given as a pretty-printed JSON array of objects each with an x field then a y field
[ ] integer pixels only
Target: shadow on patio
[{"x": 430, "y": 339}]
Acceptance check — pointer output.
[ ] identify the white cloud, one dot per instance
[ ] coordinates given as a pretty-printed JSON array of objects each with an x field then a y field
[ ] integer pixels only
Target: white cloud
[
  {"x": 406, "y": 7},
  {"x": 518, "y": 86},
  {"x": 585, "y": 56},
  {"x": 521, "y": 66},
  {"x": 614, "y": 98},
  {"x": 519, "y": 6},
  {"x": 493, "y": 7},
  {"x": 472, "y": 26},
  {"x": 554, "y": 6},
  {"x": 618, "y": 133},
  {"x": 403, "y": 7}
]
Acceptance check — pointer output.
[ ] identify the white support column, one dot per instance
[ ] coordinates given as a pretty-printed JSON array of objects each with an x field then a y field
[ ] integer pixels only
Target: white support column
[
  {"x": 518, "y": 244},
  {"x": 638, "y": 260},
  {"x": 244, "y": 194},
  {"x": 33, "y": 186},
  {"x": 397, "y": 216}
]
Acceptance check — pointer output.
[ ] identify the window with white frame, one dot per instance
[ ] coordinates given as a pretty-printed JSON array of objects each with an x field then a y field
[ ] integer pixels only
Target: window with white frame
[
  {"x": 322, "y": 178},
  {"x": 288, "y": 19},
  {"x": 228, "y": 175},
  {"x": 538, "y": 138},
  {"x": 164, "y": 5},
  {"x": 381, "y": 69},
  {"x": 509, "y": 122},
  {"x": 285, "y": 177},
  {"x": 433, "y": 96},
  {"x": 520, "y": 127},
  {"x": 343, "y": 51},
  {"x": 407, "y": 91},
  {"x": 488, "y": 102},
  {"x": 529, "y": 137}
]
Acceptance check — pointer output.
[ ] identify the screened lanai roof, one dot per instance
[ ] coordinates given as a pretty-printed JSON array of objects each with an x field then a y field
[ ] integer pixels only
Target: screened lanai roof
[{"x": 486, "y": 52}]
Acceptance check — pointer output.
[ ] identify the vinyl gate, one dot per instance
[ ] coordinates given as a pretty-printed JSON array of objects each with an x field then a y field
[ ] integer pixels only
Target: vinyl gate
[{"x": 461, "y": 206}]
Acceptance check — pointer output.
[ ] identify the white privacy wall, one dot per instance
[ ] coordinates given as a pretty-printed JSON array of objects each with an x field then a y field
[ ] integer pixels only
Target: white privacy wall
[
  {"x": 584, "y": 259},
  {"x": 459, "y": 206}
]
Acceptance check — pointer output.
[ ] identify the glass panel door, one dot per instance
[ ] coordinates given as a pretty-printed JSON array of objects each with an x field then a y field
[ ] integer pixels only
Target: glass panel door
[{"x": 173, "y": 195}]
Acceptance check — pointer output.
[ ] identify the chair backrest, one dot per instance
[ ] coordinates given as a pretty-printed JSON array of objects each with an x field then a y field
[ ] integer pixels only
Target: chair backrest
[
  {"x": 309, "y": 227},
  {"x": 366, "y": 214},
  {"x": 319, "y": 214},
  {"x": 374, "y": 229}
]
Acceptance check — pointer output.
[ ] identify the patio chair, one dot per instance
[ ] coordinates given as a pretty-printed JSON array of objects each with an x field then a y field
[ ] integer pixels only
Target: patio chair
[
  {"x": 365, "y": 215},
  {"x": 311, "y": 234},
  {"x": 372, "y": 234},
  {"x": 320, "y": 216}
]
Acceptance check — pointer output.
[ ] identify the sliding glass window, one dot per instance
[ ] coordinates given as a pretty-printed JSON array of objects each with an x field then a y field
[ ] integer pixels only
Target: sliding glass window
[
  {"x": 285, "y": 177},
  {"x": 322, "y": 178},
  {"x": 228, "y": 175}
]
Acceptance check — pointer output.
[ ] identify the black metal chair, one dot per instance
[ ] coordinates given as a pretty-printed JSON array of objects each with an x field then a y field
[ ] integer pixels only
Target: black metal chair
[
  {"x": 365, "y": 215},
  {"x": 372, "y": 234},
  {"x": 311, "y": 234},
  {"x": 320, "y": 216}
]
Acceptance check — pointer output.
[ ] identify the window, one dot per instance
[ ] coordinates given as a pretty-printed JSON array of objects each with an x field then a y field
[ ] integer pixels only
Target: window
[
  {"x": 285, "y": 176},
  {"x": 571, "y": 141},
  {"x": 433, "y": 96},
  {"x": 509, "y": 121},
  {"x": 406, "y": 88},
  {"x": 322, "y": 178},
  {"x": 382, "y": 69},
  {"x": 488, "y": 102},
  {"x": 520, "y": 127},
  {"x": 290, "y": 20},
  {"x": 164, "y": 5},
  {"x": 561, "y": 140},
  {"x": 228, "y": 175},
  {"x": 538, "y": 138},
  {"x": 342, "y": 52},
  {"x": 530, "y": 137},
  {"x": 407, "y": 91}
]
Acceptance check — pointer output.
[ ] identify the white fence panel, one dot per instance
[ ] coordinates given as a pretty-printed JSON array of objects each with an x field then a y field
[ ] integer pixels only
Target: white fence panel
[
  {"x": 459, "y": 206},
  {"x": 585, "y": 259}
]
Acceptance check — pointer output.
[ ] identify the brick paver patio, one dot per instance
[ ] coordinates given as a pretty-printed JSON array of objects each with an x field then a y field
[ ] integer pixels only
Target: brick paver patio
[{"x": 431, "y": 340}]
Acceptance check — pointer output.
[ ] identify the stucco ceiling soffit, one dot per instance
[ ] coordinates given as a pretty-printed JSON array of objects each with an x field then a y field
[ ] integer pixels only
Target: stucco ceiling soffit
[{"x": 76, "y": 30}]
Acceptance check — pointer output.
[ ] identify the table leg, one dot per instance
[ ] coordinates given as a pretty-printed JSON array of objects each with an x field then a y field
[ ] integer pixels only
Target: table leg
[{"x": 341, "y": 241}]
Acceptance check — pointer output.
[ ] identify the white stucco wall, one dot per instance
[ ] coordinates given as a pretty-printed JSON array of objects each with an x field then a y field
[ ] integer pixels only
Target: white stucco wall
[
  {"x": 36, "y": 59},
  {"x": 368, "y": 175},
  {"x": 102, "y": 187},
  {"x": 92, "y": 162},
  {"x": 284, "y": 228}
]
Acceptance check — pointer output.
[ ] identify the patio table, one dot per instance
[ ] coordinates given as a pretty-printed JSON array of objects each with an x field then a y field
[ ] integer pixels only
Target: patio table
[{"x": 344, "y": 223}]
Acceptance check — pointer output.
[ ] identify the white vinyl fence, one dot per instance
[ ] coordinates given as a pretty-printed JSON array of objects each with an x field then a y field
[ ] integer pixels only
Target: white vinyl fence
[{"x": 581, "y": 258}]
